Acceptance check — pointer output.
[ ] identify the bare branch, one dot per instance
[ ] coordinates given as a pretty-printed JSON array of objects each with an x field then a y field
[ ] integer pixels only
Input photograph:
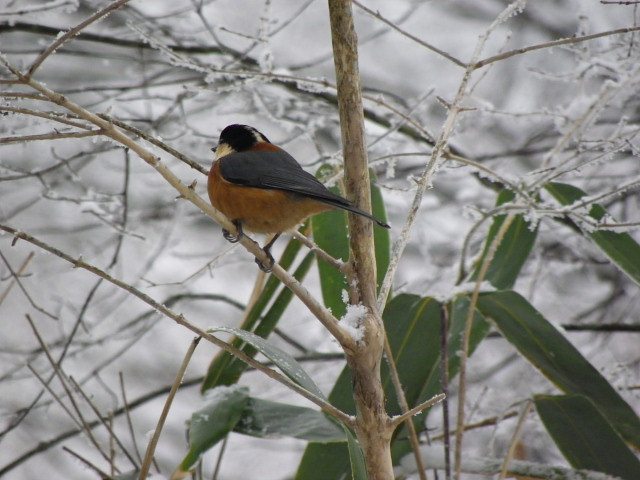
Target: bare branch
[
  {"x": 72, "y": 33},
  {"x": 181, "y": 320},
  {"x": 419, "y": 41},
  {"x": 397, "y": 420},
  {"x": 17, "y": 281},
  {"x": 49, "y": 136},
  {"x": 148, "y": 456},
  {"x": 466, "y": 339},
  {"x": 321, "y": 313},
  {"x": 554, "y": 43}
]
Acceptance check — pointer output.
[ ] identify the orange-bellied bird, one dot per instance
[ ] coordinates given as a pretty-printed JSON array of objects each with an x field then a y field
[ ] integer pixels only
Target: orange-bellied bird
[{"x": 261, "y": 188}]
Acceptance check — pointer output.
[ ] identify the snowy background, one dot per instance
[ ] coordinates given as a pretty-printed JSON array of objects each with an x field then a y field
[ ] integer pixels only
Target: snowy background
[{"x": 180, "y": 71}]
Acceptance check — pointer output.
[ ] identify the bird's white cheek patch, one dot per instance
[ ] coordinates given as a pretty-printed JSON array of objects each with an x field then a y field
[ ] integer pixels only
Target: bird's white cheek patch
[{"x": 223, "y": 150}]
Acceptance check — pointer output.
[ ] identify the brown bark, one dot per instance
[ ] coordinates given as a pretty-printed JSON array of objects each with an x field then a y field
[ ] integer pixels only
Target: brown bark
[{"x": 373, "y": 426}]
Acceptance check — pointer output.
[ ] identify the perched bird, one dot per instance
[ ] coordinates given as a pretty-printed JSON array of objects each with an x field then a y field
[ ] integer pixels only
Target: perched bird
[{"x": 261, "y": 188}]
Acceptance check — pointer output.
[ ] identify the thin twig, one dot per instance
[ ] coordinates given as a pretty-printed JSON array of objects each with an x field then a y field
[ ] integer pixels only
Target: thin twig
[
  {"x": 151, "y": 448},
  {"x": 56, "y": 397},
  {"x": 444, "y": 380},
  {"x": 181, "y": 320},
  {"x": 419, "y": 41},
  {"x": 16, "y": 279},
  {"x": 554, "y": 43},
  {"x": 515, "y": 439},
  {"x": 422, "y": 184},
  {"x": 223, "y": 448},
  {"x": 155, "y": 141},
  {"x": 15, "y": 275},
  {"x": 87, "y": 463},
  {"x": 72, "y": 33},
  {"x": 49, "y": 136},
  {"x": 404, "y": 407},
  {"x": 467, "y": 338},
  {"x": 78, "y": 418},
  {"x": 51, "y": 116},
  {"x": 112, "y": 131},
  {"x": 125, "y": 407},
  {"x": 397, "y": 420},
  {"x": 103, "y": 421},
  {"x": 312, "y": 246},
  {"x": 487, "y": 422}
]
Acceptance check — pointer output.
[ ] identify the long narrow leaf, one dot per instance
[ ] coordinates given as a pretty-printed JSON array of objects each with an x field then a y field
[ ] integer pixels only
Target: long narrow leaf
[
  {"x": 356, "y": 458},
  {"x": 585, "y": 437},
  {"x": 330, "y": 233},
  {"x": 413, "y": 329},
  {"x": 324, "y": 461},
  {"x": 513, "y": 251},
  {"x": 210, "y": 424},
  {"x": 381, "y": 236},
  {"x": 285, "y": 362},
  {"x": 487, "y": 467},
  {"x": 225, "y": 369},
  {"x": 266, "y": 419},
  {"x": 421, "y": 387},
  {"x": 548, "y": 350},
  {"x": 621, "y": 248}
]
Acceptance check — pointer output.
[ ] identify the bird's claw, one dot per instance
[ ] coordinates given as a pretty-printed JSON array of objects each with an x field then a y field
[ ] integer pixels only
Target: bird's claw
[
  {"x": 262, "y": 266},
  {"x": 228, "y": 236}
]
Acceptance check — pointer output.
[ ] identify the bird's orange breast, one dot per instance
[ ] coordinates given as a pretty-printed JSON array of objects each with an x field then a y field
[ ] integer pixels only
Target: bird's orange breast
[{"x": 260, "y": 210}]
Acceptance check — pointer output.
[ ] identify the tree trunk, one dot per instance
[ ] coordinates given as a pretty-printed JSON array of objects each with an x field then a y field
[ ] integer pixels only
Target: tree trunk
[{"x": 372, "y": 422}]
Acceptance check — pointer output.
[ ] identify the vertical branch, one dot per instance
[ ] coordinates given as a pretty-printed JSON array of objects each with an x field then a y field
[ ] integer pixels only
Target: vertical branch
[
  {"x": 373, "y": 427},
  {"x": 356, "y": 168},
  {"x": 444, "y": 380},
  {"x": 151, "y": 447},
  {"x": 466, "y": 338}
]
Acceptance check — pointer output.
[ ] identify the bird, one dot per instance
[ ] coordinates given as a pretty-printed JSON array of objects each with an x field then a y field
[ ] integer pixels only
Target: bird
[{"x": 259, "y": 187}]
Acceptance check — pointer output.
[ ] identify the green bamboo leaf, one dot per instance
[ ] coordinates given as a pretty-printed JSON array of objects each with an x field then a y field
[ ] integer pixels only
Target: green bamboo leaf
[
  {"x": 225, "y": 369},
  {"x": 324, "y": 461},
  {"x": 210, "y": 424},
  {"x": 330, "y": 233},
  {"x": 413, "y": 330},
  {"x": 266, "y": 419},
  {"x": 488, "y": 467},
  {"x": 585, "y": 437},
  {"x": 549, "y": 351},
  {"x": 285, "y": 362},
  {"x": 513, "y": 251},
  {"x": 420, "y": 384},
  {"x": 356, "y": 458},
  {"x": 381, "y": 236},
  {"x": 621, "y": 248}
]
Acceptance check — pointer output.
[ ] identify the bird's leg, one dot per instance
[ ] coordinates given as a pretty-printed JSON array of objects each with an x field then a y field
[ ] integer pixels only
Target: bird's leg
[
  {"x": 233, "y": 238},
  {"x": 267, "y": 251}
]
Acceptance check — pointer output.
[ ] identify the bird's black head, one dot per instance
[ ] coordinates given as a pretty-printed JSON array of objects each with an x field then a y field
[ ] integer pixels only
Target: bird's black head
[{"x": 238, "y": 138}]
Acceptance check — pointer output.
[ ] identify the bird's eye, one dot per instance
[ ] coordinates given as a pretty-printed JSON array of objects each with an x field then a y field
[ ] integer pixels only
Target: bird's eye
[{"x": 214, "y": 149}]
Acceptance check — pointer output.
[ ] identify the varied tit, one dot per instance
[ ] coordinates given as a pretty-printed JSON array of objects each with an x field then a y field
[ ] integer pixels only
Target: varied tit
[{"x": 261, "y": 188}]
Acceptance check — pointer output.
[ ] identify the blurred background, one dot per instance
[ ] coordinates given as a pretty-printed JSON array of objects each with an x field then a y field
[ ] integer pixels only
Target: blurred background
[{"x": 175, "y": 73}]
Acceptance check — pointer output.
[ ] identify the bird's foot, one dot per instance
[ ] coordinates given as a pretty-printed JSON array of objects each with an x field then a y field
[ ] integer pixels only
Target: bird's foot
[
  {"x": 271, "y": 262},
  {"x": 233, "y": 238},
  {"x": 267, "y": 252}
]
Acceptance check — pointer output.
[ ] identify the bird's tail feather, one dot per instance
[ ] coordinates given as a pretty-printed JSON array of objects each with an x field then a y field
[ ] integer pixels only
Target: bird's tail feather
[{"x": 350, "y": 208}]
